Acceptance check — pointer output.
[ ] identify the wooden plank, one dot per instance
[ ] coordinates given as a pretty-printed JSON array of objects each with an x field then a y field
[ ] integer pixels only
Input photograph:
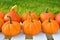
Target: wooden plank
[
  {"x": 28, "y": 37},
  {"x": 40, "y": 36},
  {"x": 49, "y": 37},
  {"x": 56, "y": 36},
  {"x": 7, "y": 38}
]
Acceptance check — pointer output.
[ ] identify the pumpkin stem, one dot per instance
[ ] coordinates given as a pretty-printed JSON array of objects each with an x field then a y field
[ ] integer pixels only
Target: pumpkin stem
[
  {"x": 30, "y": 16},
  {"x": 46, "y": 10},
  {"x": 49, "y": 19},
  {"x": 13, "y": 7},
  {"x": 10, "y": 19}
]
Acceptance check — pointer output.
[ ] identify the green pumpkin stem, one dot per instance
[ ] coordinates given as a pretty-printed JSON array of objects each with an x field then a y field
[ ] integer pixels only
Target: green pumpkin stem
[
  {"x": 49, "y": 19},
  {"x": 46, "y": 10},
  {"x": 30, "y": 16},
  {"x": 10, "y": 19}
]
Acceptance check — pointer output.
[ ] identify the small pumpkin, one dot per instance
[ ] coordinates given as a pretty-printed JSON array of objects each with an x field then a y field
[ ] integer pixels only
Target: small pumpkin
[
  {"x": 26, "y": 16},
  {"x": 1, "y": 23},
  {"x": 2, "y": 14},
  {"x": 50, "y": 26},
  {"x": 58, "y": 18},
  {"x": 31, "y": 27},
  {"x": 45, "y": 15},
  {"x": 13, "y": 15},
  {"x": 11, "y": 28}
]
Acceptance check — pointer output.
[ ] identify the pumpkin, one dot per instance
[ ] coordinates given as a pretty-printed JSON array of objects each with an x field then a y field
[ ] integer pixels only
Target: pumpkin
[
  {"x": 45, "y": 15},
  {"x": 13, "y": 15},
  {"x": 31, "y": 27},
  {"x": 50, "y": 26},
  {"x": 11, "y": 28},
  {"x": 58, "y": 18},
  {"x": 2, "y": 14},
  {"x": 1, "y": 23},
  {"x": 26, "y": 16}
]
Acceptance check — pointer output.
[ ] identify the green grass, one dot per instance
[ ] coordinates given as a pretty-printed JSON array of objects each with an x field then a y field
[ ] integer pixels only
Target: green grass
[{"x": 37, "y": 6}]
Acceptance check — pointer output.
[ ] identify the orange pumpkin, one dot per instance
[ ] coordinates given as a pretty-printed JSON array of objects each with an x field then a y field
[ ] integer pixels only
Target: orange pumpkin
[
  {"x": 26, "y": 16},
  {"x": 31, "y": 27},
  {"x": 11, "y": 28},
  {"x": 58, "y": 18},
  {"x": 13, "y": 15},
  {"x": 50, "y": 26},
  {"x": 2, "y": 14},
  {"x": 45, "y": 15},
  {"x": 1, "y": 23}
]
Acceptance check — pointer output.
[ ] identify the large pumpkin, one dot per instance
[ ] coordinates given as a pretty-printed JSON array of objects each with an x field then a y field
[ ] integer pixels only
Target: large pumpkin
[
  {"x": 11, "y": 28},
  {"x": 45, "y": 15},
  {"x": 13, "y": 15},
  {"x": 1, "y": 23},
  {"x": 2, "y": 14},
  {"x": 50, "y": 26},
  {"x": 26, "y": 16},
  {"x": 31, "y": 27},
  {"x": 58, "y": 18}
]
